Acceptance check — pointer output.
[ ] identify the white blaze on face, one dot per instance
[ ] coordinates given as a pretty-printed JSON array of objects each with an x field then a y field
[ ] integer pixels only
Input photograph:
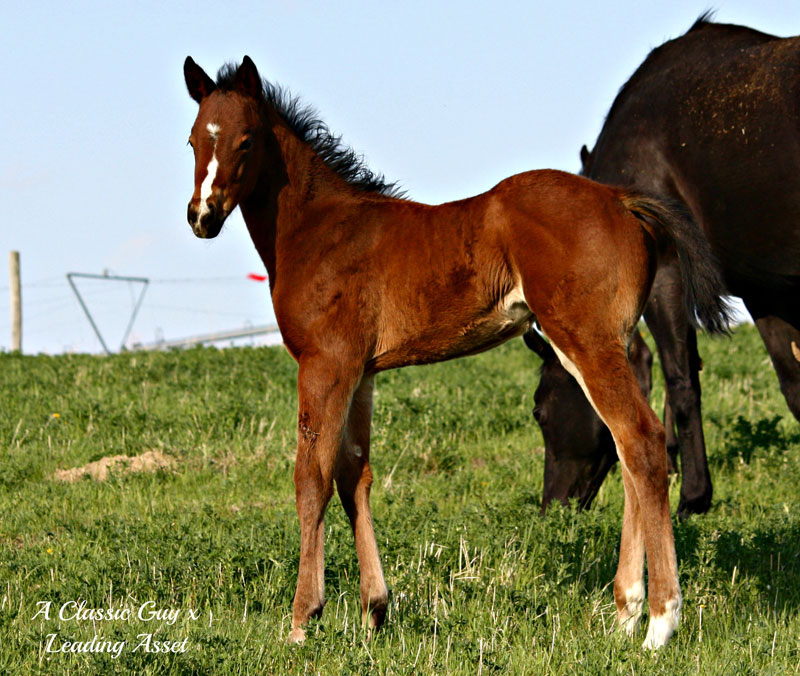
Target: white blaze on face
[{"x": 211, "y": 173}]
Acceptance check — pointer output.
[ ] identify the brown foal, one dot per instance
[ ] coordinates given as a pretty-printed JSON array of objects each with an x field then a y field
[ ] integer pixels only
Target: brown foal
[{"x": 363, "y": 280}]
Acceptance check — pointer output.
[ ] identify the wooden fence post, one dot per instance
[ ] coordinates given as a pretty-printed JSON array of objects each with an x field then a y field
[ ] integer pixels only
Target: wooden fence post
[{"x": 16, "y": 300}]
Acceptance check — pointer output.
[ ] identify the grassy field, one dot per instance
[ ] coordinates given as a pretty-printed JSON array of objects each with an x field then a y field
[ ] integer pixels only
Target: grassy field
[{"x": 481, "y": 583}]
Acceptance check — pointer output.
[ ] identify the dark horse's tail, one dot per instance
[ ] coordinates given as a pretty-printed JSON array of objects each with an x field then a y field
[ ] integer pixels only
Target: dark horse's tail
[{"x": 703, "y": 284}]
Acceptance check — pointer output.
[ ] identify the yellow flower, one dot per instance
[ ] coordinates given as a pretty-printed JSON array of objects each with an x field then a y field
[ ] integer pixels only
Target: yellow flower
[
  {"x": 49, "y": 550},
  {"x": 56, "y": 415}
]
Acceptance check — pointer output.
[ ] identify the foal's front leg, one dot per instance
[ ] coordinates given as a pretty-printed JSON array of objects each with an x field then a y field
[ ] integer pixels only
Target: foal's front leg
[
  {"x": 324, "y": 391},
  {"x": 353, "y": 479}
]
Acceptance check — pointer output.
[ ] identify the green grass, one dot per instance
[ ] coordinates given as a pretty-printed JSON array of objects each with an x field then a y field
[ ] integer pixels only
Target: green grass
[{"x": 480, "y": 582}]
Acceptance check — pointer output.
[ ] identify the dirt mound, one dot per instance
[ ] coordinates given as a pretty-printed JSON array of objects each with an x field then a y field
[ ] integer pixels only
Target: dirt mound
[{"x": 99, "y": 470}]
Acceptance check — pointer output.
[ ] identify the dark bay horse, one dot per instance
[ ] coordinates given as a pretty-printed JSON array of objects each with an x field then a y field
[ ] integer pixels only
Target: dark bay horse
[
  {"x": 363, "y": 281},
  {"x": 712, "y": 120}
]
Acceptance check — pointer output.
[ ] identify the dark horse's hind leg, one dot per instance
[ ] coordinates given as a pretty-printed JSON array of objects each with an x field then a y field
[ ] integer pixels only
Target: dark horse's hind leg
[
  {"x": 672, "y": 438},
  {"x": 777, "y": 323},
  {"x": 353, "y": 480},
  {"x": 676, "y": 340}
]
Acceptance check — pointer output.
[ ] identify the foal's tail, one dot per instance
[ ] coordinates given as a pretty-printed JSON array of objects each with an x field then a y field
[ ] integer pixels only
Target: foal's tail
[{"x": 705, "y": 292}]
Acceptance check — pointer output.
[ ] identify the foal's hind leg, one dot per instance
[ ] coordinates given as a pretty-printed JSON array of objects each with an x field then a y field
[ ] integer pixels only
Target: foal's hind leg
[
  {"x": 324, "y": 393},
  {"x": 353, "y": 479},
  {"x": 603, "y": 371}
]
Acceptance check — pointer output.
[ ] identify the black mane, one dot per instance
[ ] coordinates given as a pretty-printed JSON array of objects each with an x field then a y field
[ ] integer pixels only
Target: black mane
[
  {"x": 705, "y": 18},
  {"x": 306, "y": 124}
]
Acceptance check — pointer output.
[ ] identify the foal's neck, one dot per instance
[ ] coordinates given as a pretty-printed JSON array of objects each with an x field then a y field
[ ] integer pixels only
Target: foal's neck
[{"x": 294, "y": 179}]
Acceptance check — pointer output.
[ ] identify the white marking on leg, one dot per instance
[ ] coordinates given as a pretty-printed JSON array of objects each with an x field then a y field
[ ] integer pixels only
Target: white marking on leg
[
  {"x": 663, "y": 626},
  {"x": 356, "y": 450},
  {"x": 632, "y": 613}
]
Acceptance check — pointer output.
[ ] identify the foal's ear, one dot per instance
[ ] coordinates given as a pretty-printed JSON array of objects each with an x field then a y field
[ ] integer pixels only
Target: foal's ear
[
  {"x": 538, "y": 344},
  {"x": 248, "y": 81},
  {"x": 197, "y": 82}
]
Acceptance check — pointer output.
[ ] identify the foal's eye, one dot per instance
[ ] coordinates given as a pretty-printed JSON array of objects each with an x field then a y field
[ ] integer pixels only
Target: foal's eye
[
  {"x": 189, "y": 143},
  {"x": 246, "y": 144}
]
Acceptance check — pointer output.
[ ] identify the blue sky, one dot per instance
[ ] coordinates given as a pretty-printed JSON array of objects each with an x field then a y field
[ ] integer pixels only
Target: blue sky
[{"x": 445, "y": 97}]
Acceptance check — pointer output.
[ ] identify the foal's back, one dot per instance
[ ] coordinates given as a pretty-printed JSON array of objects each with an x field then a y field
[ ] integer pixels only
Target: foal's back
[{"x": 438, "y": 282}]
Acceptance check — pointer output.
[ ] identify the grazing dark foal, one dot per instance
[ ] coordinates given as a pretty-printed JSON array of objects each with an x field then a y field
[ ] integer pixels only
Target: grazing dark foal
[
  {"x": 711, "y": 120},
  {"x": 363, "y": 281}
]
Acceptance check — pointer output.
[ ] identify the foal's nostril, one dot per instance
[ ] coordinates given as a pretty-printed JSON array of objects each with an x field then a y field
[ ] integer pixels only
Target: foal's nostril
[{"x": 191, "y": 213}]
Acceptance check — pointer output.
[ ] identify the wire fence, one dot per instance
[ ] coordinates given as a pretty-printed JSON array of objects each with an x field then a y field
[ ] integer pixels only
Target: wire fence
[{"x": 172, "y": 308}]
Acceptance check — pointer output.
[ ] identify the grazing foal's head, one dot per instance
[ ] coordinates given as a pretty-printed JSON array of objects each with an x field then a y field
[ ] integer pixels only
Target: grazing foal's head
[{"x": 224, "y": 138}]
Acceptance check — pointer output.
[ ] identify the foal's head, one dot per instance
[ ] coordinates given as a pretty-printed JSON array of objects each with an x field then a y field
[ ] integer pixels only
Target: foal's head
[{"x": 227, "y": 152}]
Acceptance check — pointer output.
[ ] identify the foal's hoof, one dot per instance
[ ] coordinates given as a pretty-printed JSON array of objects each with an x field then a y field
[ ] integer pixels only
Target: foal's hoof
[
  {"x": 629, "y": 614},
  {"x": 662, "y": 627},
  {"x": 296, "y": 636},
  {"x": 629, "y": 625},
  {"x": 373, "y": 618}
]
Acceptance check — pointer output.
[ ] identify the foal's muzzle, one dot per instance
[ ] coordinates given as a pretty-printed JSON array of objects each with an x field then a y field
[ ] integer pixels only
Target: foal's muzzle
[{"x": 206, "y": 219}]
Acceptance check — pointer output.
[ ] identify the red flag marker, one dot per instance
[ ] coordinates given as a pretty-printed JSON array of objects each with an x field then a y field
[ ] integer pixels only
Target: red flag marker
[{"x": 256, "y": 278}]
